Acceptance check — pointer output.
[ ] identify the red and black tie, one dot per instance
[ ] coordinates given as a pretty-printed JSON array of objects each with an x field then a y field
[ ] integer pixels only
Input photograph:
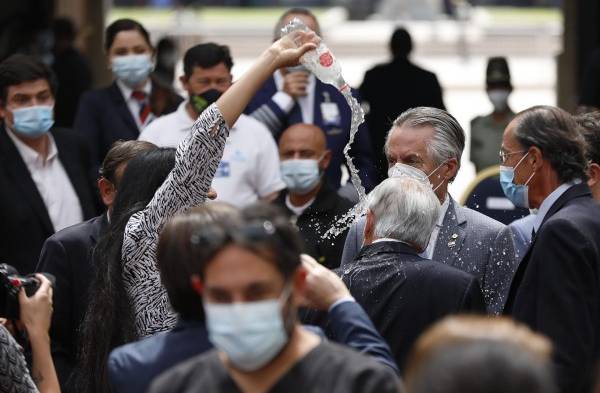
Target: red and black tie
[{"x": 142, "y": 99}]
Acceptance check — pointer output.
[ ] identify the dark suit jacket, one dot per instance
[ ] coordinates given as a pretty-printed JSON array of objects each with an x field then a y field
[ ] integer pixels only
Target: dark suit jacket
[
  {"x": 103, "y": 116},
  {"x": 68, "y": 256},
  {"x": 316, "y": 220},
  {"x": 132, "y": 367},
  {"x": 337, "y": 133},
  {"x": 556, "y": 290},
  {"x": 404, "y": 294},
  {"x": 390, "y": 89},
  {"x": 25, "y": 223}
]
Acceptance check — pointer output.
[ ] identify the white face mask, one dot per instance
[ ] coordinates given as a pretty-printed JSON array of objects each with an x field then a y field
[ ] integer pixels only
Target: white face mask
[
  {"x": 399, "y": 170},
  {"x": 250, "y": 333},
  {"x": 499, "y": 99}
]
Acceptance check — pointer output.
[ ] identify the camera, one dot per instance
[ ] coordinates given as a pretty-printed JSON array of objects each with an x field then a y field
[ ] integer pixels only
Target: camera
[{"x": 10, "y": 285}]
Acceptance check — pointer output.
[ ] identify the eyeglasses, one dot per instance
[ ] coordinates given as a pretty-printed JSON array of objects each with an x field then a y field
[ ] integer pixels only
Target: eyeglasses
[{"x": 504, "y": 154}]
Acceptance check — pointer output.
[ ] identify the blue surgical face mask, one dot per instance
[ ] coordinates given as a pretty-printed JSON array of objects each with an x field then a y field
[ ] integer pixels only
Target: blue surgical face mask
[
  {"x": 132, "y": 69},
  {"x": 33, "y": 121},
  {"x": 518, "y": 194},
  {"x": 300, "y": 175},
  {"x": 250, "y": 333}
]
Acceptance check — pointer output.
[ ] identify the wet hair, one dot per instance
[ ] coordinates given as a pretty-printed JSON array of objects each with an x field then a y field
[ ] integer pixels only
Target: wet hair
[
  {"x": 294, "y": 11},
  {"x": 180, "y": 255},
  {"x": 124, "y": 25},
  {"x": 120, "y": 153},
  {"x": 401, "y": 43},
  {"x": 266, "y": 231},
  {"x": 19, "y": 69},
  {"x": 206, "y": 56},
  {"x": 484, "y": 366},
  {"x": 555, "y": 132},
  {"x": 590, "y": 129},
  {"x": 448, "y": 140},
  {"x": 109, "y": 320}
]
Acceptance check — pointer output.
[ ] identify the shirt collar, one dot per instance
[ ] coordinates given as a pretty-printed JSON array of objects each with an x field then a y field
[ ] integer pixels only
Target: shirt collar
[
  {"x": 126, "y": 90},
  {"x": 443, "y": 211},
  {"x": 29, "y": 155},
  {"x": 550, "y": 200}
]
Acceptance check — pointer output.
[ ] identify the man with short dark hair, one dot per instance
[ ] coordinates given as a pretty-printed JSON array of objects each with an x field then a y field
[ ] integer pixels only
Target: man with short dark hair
[
  {"x": 45, "y": 172},
  {"x": 590, "y": 128},
  {"x": 249, "y": 168},
  {"x": 556, "y": 289},
  {"x": 380, "y": 88},
  {"x": 313, "y": 204},
  {"x": 68, "y": 256}
]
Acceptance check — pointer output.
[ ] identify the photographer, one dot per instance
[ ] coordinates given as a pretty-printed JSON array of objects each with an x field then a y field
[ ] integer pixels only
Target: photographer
[{"x": 35, "y": 316}]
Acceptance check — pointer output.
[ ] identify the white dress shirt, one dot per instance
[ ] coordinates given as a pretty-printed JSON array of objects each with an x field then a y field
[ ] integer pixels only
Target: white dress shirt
[
  {"x": 286, "y": 102},
  {"x": 428, "y": 253},
  {"x": 52, "y": 182},
  {"x": 134, "y": 105}
]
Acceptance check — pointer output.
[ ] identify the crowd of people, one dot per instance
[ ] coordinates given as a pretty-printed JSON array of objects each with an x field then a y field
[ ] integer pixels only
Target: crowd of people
[{"x": 183, "y": 237}]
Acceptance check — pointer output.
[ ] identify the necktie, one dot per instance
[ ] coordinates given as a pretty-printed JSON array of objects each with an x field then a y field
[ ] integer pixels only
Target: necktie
[{"x": 142, "y": 99}]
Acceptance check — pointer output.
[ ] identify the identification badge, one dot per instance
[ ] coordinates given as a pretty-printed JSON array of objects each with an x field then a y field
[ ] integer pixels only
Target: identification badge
[
  {"x": 330, "y": 113},
  {"x": 223, "y": 170}
]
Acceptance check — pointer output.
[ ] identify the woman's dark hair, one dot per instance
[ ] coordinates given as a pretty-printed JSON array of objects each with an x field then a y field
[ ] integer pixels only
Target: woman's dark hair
[
  {"x": 109, "y": 320},
  {"x": 555, "y": 132},
  {"x": 124, "y": 25},
  {"x": 266, "y": 231},
  {"x": 179, "y": 253},
  {"x": 19, "y": 69}
]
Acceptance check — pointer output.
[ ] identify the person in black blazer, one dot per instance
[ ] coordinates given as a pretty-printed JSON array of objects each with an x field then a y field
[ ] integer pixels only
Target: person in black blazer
[
  {"x": 556, "y": 289},
  {"x": 403, "y": 293},
  {"x": 121, "y": 110},
  {"x": 45, "y": 172},
  {"x": 68, "y": 256},
  {"x": 391, "y": 88}
]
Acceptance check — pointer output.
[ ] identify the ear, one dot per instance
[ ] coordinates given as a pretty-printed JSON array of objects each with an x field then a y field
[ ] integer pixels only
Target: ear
[
  {"x": 594, "y": 174},
  {"x": 536, "y": 157},
  {"x": 369, "y": 228},
  {"x": 108, "y": 191},
  {"x": 184, "y": 82},
  {"x": 326, "y": 160},
  {"x": 452, "y": 166},
  {"x": 299, "y": 284},
  {"x": 196, "y": 283}
]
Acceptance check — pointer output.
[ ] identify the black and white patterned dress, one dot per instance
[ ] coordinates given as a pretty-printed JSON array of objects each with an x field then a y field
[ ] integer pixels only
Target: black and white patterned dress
[
  {"x": 14, "y": 375},
  {"x": 187, "y": 185}
]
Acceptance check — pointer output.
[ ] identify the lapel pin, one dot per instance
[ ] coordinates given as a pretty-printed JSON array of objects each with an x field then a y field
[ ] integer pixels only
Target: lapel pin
[
  {"x": 454, "y": 236},
  {"x": 451, "y": 243}
]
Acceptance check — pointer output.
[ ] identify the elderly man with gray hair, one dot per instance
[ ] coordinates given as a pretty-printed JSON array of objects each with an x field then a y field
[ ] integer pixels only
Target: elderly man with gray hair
[
  {"x": 432, "y": 141},
  {"x": 402, "y": 292}
]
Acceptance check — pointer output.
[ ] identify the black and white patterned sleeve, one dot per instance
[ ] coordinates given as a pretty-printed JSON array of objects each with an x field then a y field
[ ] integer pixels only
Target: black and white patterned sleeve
[
  {"x": 14, "y": 375},
  {"x": 187, "y": 185}
]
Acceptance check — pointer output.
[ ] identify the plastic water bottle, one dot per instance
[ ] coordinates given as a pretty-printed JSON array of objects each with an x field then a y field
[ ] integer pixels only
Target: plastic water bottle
[{"x": 320, "y": 61}]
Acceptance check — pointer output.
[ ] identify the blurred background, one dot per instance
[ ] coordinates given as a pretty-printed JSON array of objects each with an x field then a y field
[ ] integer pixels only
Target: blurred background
[{"x": 547, "y": 42}]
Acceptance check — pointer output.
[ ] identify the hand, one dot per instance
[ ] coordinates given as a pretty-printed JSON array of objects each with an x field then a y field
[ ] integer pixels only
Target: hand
[
  {"x": 36, "y": 311},
  {"x": 212, "y": 194},
  {"x": 323, "y": 287},
  {"x": 295, "y": 83},
  {"x": 287, "y": 50}
]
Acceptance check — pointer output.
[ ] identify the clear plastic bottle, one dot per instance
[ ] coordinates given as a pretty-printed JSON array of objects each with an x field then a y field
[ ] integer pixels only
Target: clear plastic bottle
[{"x": 320, "y": 61}]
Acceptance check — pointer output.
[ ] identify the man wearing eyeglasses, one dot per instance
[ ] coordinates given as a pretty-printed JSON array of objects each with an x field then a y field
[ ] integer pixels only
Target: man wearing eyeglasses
[
  {"x": 249, "y": 169},
  {"x": 432, "y": 141},
  {"x": 556, "y": 289}
]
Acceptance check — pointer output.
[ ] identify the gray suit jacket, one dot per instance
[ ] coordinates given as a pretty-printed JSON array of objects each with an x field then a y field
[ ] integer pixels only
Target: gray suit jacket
[{"x": 469, "y": 241}]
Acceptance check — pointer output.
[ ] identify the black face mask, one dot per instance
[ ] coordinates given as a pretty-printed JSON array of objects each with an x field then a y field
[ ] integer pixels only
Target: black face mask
[{"x": 202, "y": 101}]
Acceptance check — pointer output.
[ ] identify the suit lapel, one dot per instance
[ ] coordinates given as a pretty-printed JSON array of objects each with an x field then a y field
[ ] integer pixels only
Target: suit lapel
[
  {"x": 451, "y": 236},
  {"x": 17, "y": 170},
  {"x": 123, "y": 110}
]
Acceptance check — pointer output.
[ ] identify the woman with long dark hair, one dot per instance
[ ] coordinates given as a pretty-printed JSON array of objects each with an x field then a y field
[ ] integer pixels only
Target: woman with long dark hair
[{"x": 130, "y": 301}]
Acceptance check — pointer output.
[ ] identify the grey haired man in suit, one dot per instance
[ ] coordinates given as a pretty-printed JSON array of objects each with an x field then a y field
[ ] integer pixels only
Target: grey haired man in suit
[{"x": 432, "y": 141}]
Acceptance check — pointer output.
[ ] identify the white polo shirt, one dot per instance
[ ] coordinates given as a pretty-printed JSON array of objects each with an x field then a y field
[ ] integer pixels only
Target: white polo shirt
[{"x": 249, "y": 168}]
